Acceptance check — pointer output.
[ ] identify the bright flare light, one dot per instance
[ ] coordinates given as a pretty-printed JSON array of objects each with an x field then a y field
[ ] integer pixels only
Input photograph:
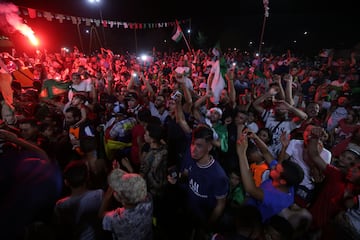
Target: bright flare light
[
  {"x": 16, "y": 22},
  {"x": 34, "y": 41}
]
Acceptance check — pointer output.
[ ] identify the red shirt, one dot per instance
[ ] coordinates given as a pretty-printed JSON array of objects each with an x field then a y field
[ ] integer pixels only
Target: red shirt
[
  {"x": 329, "y": 201},
  {"x": 137, "y": 131}
]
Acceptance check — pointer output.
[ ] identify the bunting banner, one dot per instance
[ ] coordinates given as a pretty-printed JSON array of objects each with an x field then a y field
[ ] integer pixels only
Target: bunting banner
[
  {"x": 63, "y": 18},
  {"x": 32, "y": 12},
  {"x": 266, "y": 7}
]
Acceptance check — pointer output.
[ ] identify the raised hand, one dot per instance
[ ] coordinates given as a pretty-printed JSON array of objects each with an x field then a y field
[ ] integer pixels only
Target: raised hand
[
  {"x": 288, "y": 78},
  {"x": 285, "y": 139},
  {"x": 242, "y": 144}
]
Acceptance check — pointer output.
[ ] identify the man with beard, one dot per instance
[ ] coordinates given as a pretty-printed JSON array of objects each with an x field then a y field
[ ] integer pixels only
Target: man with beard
[{"x": 158, "y": 108}]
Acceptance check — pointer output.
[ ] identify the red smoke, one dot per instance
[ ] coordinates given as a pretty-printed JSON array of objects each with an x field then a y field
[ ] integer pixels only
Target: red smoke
[{"x": 10, "y": 11}]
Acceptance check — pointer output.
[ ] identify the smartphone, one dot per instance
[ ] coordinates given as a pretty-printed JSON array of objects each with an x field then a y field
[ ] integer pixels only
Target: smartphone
[
  {"x": 175, "y": 94},
  {"x": 172, "y": 171}
]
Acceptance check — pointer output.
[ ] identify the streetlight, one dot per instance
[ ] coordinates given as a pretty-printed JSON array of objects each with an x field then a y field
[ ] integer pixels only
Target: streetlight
[
  {"x": 98, "y": 3},
  {"x": 189, "y": 32}
]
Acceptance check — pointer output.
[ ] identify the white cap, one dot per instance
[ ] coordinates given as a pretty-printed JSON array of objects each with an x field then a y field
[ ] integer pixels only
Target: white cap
[{"x": 216, "y": 109}]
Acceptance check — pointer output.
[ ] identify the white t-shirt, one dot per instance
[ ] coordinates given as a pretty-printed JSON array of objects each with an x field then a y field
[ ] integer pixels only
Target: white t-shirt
[
  {"x": 84, "y": 86},
  {"x": 277, "y": 128},
  {"x": 295, "y": 151},
  {"x": 335, "y": 117}
]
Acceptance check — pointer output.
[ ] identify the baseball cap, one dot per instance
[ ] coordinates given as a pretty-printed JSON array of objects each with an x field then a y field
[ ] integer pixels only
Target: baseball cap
[{"x": 354, "y": 148}]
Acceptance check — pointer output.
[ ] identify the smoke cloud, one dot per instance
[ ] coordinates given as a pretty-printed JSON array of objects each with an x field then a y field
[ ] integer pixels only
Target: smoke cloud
[{"x": 10, "y": 21}]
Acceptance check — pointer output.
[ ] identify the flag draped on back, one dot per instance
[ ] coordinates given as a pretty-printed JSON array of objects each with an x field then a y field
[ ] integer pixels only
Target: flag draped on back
[{"x": 178, "y": 34}]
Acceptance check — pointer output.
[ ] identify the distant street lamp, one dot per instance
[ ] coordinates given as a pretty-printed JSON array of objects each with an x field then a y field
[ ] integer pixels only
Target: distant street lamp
[
  {"x": 189, "y": 32},
  {"x": 98, "y": 3}
]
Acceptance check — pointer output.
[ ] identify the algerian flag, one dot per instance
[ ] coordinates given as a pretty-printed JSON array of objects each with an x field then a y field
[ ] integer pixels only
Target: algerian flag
[
  {"x": 218, "y": 83},
  {"x": 52, "y": 88},
  {"x": 218, "y": 71},
  {"x": 178, "y": 34}
]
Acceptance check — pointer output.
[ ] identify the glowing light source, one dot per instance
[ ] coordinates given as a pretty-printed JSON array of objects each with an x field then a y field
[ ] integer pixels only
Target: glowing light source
[
  {"x": 17, "y": 23},
  {"x": 34, "y": 41},
  {"x": 144, "y": 57}
]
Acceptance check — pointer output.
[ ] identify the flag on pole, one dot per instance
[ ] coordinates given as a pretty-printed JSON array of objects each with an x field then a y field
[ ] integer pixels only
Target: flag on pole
[
  {"x": 218, "y": 70},
  {"x": 178, "y": 34}
]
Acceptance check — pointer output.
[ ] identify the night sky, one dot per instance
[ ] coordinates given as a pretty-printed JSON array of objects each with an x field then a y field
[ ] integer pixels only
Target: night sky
[{"x": 232, "y": 23}]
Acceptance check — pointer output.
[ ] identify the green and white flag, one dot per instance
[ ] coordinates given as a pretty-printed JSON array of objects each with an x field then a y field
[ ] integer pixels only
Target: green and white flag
[
  {"x": 52, "y": 88},
  {"x": 178, "y": 34},
  {"x": 218, "y": 70}
]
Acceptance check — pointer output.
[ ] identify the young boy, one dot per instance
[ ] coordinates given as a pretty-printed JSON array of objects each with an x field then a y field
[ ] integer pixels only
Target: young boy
[
  {"x": 274, "y": 194},
  {"x": 78, "y": 101}
]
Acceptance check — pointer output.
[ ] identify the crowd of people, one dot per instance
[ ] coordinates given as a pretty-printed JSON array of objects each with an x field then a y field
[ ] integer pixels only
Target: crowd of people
[{"x": 184, "y": 145}]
